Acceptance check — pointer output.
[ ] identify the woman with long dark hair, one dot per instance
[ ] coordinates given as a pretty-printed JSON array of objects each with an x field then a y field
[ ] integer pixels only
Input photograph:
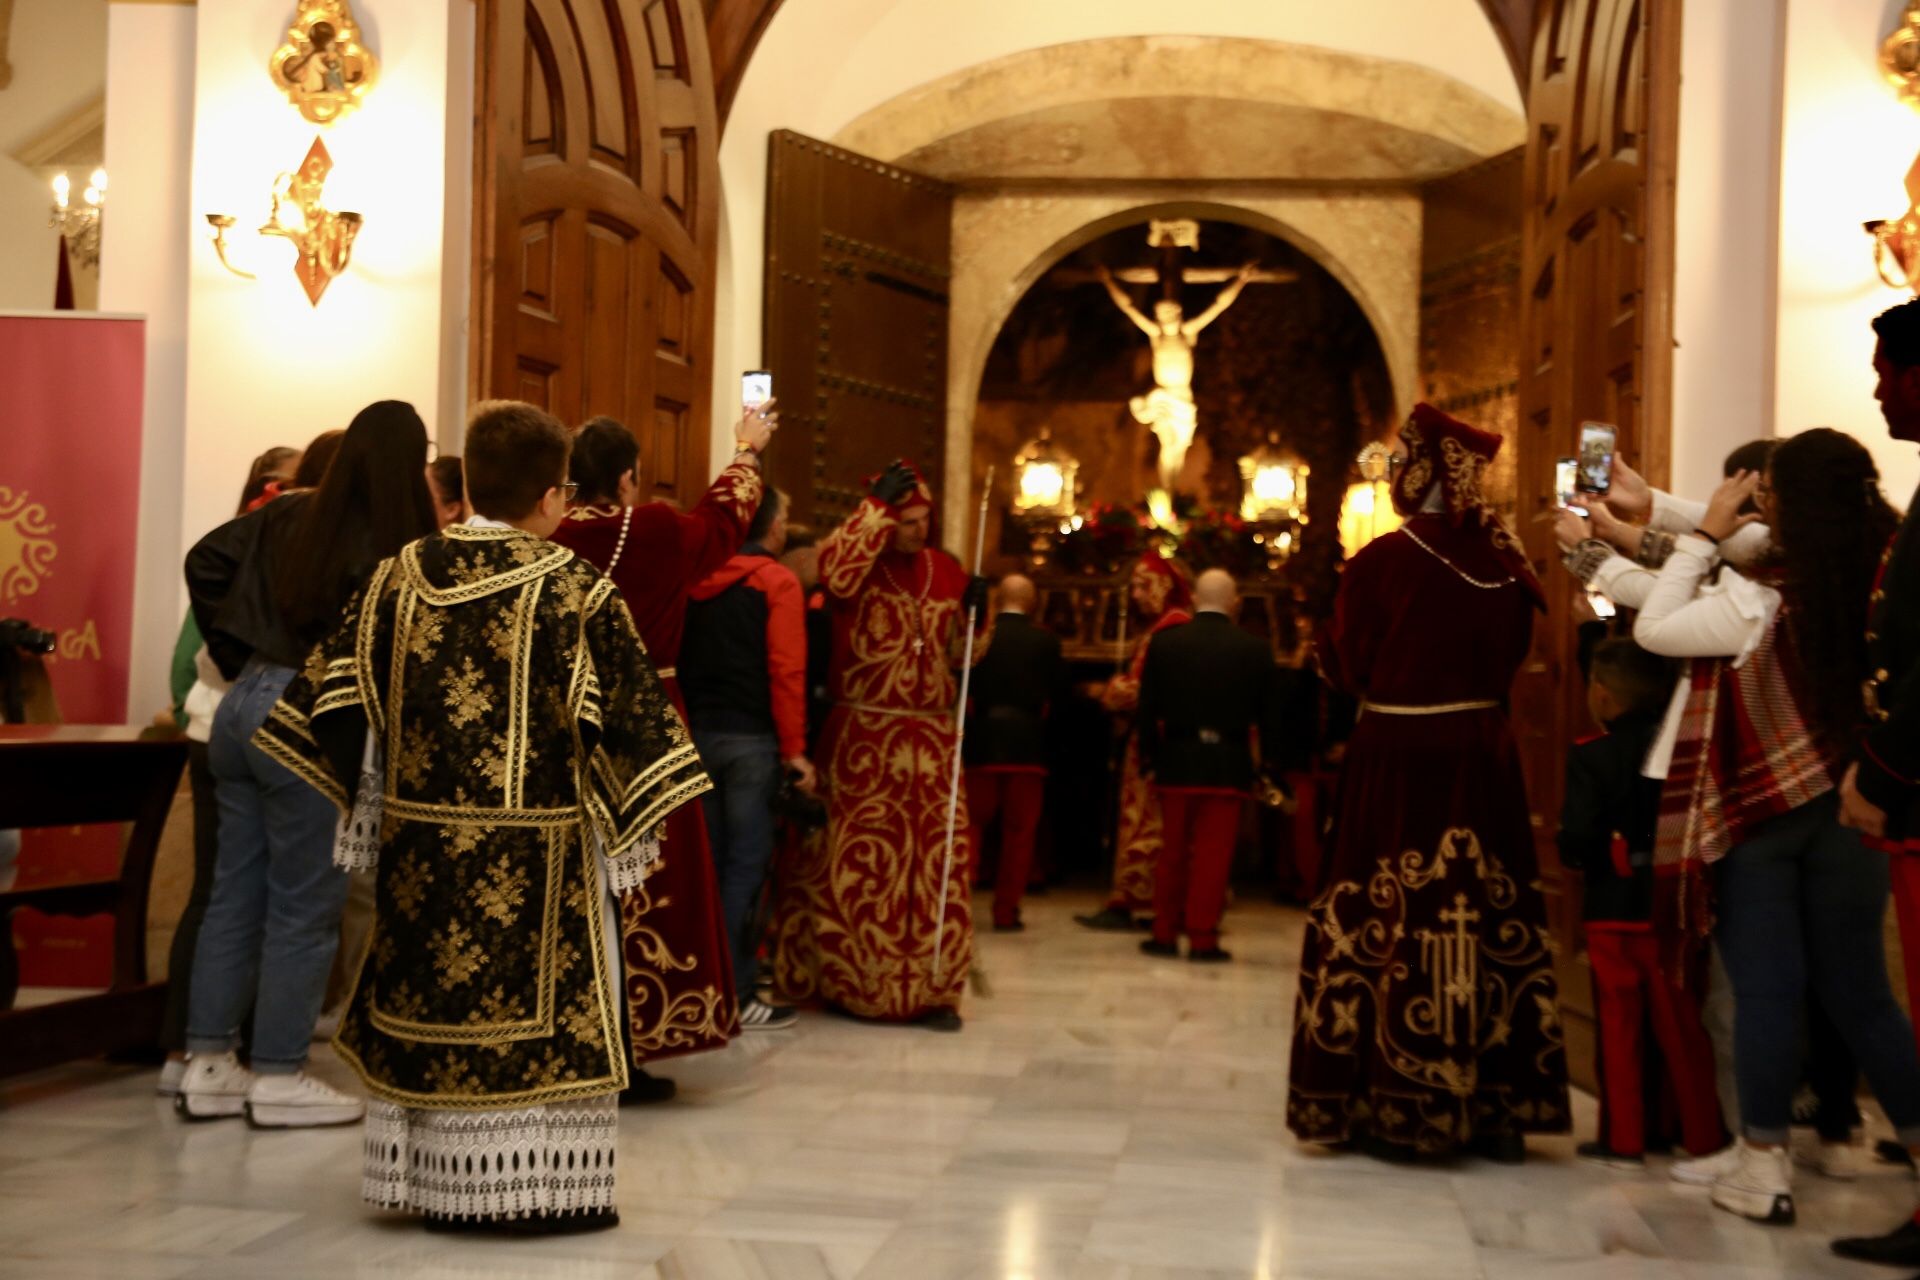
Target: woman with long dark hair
[
  {"x": 266, "y": 588},
  {"x": 1749, "y": 829}
]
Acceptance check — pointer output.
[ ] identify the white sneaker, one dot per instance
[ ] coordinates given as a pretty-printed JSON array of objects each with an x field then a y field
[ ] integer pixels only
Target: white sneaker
[
  {"x": 1840, "y": 1161},
  {"x": 215, "y": 1085},
  {"x": 1761, "y": 1188},
  {"x": 172, "y": 1072},
  {"x": 299, "y": 1101},
  {"x": 1704, "y": 1171}
]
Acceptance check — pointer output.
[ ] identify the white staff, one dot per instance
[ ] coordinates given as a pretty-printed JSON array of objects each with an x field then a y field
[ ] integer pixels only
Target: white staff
[{"x": 960, "y": 726}]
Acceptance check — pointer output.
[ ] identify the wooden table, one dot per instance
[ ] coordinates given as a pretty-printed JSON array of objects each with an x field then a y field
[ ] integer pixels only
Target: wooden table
[{"x": 70, "y": 775}]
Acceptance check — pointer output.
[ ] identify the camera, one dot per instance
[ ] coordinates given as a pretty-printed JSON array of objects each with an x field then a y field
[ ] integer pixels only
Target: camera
[{"x": 16, "y": 634}]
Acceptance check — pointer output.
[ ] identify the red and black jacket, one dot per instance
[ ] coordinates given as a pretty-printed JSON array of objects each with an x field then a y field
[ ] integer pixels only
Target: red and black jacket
[{"x": 743, "y": 663}]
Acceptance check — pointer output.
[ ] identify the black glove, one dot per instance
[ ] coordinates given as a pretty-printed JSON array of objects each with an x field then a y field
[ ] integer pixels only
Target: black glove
[
  {"x": 975, "y": 599},
  {"x": 895, "y": 483}
]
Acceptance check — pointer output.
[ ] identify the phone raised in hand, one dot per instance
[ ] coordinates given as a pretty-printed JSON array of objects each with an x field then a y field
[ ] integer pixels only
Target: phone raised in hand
[
  {"x": 756, "y": 388},
  {"x": 1595, "y": 471}
]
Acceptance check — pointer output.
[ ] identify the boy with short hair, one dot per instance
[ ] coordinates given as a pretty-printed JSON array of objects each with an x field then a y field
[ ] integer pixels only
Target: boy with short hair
[
  {"x": 526, "y": 756},
  {"x": 1607, "y": 832}
]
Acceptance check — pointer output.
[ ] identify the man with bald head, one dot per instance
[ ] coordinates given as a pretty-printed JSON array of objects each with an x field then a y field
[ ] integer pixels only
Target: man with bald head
[
  {"x": 1207, "y": 690},
  {"x": 1014, "y": 687}
]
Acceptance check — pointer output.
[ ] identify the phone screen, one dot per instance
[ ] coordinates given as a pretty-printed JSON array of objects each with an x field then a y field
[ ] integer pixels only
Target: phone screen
[
  {"x": 1603, "y": 608},
  {"x": 756, "y": 388},
  {"x": 1566, "y": 481},
  {"x": 1595, "y": 473}
]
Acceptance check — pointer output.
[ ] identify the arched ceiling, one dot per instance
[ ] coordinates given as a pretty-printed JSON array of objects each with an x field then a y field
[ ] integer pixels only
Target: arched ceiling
[{"x": 1171, "y": 107}]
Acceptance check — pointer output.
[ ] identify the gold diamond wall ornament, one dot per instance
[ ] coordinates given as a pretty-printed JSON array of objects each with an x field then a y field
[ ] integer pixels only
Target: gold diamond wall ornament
[{"x": 323, "y": 239}]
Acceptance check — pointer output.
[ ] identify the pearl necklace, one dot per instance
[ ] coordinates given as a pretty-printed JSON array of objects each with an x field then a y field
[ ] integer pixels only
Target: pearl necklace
[
  {"x": 919, "y": 619},
  {"x": 626, "y": 522}
]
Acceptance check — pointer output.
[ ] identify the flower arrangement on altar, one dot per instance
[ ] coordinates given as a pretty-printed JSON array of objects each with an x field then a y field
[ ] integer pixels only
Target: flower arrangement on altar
[
  {"x": 1222, "y": 540},
  {"x": 1106, "y": 540}
]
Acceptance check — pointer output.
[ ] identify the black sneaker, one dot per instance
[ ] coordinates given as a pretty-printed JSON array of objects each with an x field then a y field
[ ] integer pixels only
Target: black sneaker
[
  {"x": 1011, "y": 926},
  {"x": 1900, "y": 1247},
  {"x": 1210, "y": 955},
  {"x": 942, "y": 1020},
  {"x": 1169, "y": 950},
  {"x": 1601, "y": 1153},
  {"x": 757, "y": 1015},
  {"x": 1501, "y": 1148}
]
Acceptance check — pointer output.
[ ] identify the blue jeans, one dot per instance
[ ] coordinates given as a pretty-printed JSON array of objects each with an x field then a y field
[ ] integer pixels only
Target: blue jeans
[
  {"x": 745, "y": 768},
  {"x": 273, "y": 919},
  {"x": 1801, "y": 906}
]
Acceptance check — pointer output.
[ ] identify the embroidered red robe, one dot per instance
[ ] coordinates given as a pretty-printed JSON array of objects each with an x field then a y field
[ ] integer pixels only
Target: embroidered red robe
[
  {"x": 1137, "y": 843},
  {"x": 679, "y": 977},
  {"x": 858, "y": 911}
]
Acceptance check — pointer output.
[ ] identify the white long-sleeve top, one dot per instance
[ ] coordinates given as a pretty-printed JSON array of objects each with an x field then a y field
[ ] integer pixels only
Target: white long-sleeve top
[{"x": 1681, "y": 615}]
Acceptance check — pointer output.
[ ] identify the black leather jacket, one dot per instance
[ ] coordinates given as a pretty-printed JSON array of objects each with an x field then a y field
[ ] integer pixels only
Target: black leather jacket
[{"x": 231, "y": 580}]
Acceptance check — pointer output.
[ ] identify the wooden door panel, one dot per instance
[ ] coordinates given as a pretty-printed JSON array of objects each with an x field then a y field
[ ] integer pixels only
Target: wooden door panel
[
  {"x": 1597, "y": 345},
  {"x": 595, "y": 259},
  {"x": 855, "y": 320}
]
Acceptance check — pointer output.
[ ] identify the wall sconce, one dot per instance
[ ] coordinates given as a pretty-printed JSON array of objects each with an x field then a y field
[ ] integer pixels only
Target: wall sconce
[
  {"x": 323, "y": 240},
  {"x": 1896, "y": 243},
  {"x": 1900, "y": 55},
  {"x": 1273, "y": 486},
  {"x": 80, "y": 223}
]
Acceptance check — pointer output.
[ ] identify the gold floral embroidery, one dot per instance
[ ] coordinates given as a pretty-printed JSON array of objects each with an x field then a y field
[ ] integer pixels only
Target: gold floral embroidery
[
  {"x": 429, "y": 627},
  {"x": 452, "y": 1074},
  {"x": 466, "y": 700},
  {"x": 409, "y": 886},
  {"x": 405, "y": 1002},
  {"x": 411, "y": 762},
  {"x": 503, "y": 890},
  {"x": 456, "y": 955}
]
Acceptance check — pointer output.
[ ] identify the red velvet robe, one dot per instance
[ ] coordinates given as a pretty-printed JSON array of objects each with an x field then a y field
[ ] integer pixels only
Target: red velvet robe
[
  {"x": 858, "y": 910},
  {"x": 1137, "y": 842},
  {"x": 1428, "y": 1010},
  {"x": 679, "y": 977}
]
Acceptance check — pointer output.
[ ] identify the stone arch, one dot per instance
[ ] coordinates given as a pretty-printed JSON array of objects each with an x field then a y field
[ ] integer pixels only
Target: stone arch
[{"x": 987, "y": 286}]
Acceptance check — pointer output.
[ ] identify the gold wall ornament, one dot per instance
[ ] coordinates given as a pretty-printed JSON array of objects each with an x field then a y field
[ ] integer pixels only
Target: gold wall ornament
[
  {"x": 1900, "y": 55},
  {"x": 1896, "y": 242},
  {"x": 323, "y": 68}
]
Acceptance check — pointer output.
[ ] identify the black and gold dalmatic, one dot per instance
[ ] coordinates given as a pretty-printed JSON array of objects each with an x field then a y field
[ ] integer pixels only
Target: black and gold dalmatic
[{"x": 523, "y": 735}]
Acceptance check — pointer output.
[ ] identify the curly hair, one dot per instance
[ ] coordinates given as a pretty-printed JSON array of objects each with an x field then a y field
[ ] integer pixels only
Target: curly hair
[{"x": 1831, "y": 526}]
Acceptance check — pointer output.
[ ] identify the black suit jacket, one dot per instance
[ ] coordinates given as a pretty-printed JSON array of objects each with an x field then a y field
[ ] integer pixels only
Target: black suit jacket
[
  {"x": 1207, "y": 689},
  {"x": 1890, "y": 747},
  {"x": 1607, "y": 798},
  {"x": 1013, "y": 687}
]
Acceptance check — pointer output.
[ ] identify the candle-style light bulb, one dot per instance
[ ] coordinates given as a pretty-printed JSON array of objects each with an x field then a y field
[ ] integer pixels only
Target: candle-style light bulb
[
  {"x": 62, "y": 186},
  {"x": 98, "y": 181},
  {"x": 92, "y": 196}
]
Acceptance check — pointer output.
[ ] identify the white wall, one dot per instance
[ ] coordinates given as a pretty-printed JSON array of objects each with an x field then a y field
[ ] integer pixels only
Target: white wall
[
  {"x": 143, "y": 269},
  {"x": 58, "y": 53},
  {"x": 1848, "y": 143},
  {"x": 263, "y": 366},
  {"x": 857, "y": 54},
  {"x": 1725, "y": 279}
]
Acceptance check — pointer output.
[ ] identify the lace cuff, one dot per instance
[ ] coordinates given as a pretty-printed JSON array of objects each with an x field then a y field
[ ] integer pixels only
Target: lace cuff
[
  {"x": 356, "y": 834},
  {"x": 628, "y": 869},
  {"x": 1585, "y": 560}
]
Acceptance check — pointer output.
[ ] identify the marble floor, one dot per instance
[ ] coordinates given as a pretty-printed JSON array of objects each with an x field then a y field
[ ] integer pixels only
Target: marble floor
[{"x": 1103, "y": 1116}]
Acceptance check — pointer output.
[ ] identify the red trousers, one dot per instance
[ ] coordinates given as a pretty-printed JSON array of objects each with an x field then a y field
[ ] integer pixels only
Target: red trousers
[
  {"x": 1198, "y": 831},
  {"x": 1015, "y": 797},
  {"x": 1630, "y": 986}
]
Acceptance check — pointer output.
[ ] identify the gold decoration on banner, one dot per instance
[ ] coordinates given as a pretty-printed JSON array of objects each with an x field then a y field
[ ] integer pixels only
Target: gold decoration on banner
[
  {"x": 27, "y": 547},
  {"x": 323, "y": 68}
]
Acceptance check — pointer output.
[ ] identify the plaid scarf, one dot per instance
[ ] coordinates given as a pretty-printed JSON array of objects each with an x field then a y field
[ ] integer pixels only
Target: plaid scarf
[{"x": 1744, "y": 755}]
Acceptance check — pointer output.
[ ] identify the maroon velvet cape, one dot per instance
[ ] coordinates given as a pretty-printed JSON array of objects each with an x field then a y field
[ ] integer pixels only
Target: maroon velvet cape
[{"x": 1428, "y": 1009}]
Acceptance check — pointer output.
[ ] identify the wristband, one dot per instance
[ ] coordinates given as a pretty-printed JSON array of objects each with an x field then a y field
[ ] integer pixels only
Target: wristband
[{"x": 1698, "y": 532}]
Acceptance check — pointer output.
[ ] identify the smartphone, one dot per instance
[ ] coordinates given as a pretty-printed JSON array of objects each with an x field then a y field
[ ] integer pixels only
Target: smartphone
[
  {"x": 1603, "y": 608},
  {"x": 756, "y": 388},
  {"x": 1566, "y": 481},
  {"x": 1595, "y": 472}
]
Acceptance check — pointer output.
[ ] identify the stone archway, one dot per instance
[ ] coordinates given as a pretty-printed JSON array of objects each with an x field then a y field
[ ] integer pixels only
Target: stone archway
[{"x": 1004, "y": 243}]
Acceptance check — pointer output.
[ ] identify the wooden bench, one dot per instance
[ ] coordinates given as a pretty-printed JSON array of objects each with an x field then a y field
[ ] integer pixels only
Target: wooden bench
[{"x": 73, "y": 775}]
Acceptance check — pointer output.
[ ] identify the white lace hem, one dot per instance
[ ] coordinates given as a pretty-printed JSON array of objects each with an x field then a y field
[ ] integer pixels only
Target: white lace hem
[{"x": 553, "y": 1160}]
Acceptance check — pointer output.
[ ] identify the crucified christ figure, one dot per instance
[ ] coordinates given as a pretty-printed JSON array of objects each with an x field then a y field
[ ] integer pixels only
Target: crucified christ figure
[{"x": 1169, "y": 409}]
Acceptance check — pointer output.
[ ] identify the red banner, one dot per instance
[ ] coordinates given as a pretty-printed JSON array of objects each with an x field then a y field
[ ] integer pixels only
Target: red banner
[{"x": 71, "y": 395}]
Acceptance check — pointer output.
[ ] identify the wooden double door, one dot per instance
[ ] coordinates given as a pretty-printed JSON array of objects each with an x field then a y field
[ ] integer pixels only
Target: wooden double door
[{"x": 596, "y": 220}]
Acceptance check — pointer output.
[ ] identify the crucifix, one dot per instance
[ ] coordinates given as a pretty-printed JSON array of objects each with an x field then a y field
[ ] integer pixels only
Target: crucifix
[{"x": 1168, "y": 410}]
